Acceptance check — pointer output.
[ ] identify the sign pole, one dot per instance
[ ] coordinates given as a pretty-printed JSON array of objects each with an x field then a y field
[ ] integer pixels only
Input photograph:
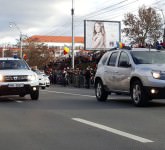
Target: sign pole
[{"x": 72, "y": 13}]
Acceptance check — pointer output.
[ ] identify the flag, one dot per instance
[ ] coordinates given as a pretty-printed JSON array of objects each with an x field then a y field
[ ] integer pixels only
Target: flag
[
  {"x": 25, "y": 56},
  {"x": 120, "y": 45},
  {"x": 66, "y": 50}
]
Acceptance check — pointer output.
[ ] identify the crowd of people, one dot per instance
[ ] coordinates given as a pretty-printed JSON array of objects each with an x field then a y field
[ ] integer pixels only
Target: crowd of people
[
  {"x": 160, "y": 45},
  {"x": 72, "y": 77},
  {"x": 61, "y": 71}
]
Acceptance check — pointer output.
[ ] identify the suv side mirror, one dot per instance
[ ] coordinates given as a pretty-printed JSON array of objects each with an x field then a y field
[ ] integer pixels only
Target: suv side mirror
[{"x": 124, "y": 64}]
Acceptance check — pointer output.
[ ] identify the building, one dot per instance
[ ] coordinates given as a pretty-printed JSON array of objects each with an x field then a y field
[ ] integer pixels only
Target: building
[
  {"x": 8, "y": 51},
  {"x": 55, "y": 43},
  {"x": 59, "y": 42}
]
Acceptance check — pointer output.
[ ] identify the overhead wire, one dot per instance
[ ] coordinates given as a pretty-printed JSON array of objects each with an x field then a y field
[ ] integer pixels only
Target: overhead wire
[
  {"x": 105, "y": 8},
  {"x": 66, "y": 23},
  {"x": 78, "y": 20}
]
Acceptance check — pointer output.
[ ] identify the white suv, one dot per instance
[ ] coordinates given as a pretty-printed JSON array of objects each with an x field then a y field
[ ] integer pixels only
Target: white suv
[
  {"x": 140, "y": 73},
  {"x": 16, "y": 78}
]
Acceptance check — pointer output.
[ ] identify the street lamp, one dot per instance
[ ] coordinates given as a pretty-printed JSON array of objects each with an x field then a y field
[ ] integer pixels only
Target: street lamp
[{"x": 13, "y": 24}]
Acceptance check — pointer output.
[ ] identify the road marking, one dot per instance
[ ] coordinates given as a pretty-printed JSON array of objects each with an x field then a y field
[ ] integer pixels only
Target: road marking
[
  {"x": 69, "y": 93},
  {"x": 115, "y": 131},
  {"x": 19, "y": 101}
]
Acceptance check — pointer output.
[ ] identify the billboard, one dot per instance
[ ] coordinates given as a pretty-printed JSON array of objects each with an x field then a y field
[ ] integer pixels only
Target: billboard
[{"x": 101, "y": 35}]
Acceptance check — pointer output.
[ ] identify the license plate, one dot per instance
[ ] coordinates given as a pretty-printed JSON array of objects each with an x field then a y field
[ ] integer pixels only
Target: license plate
[{"x": 15, "y": 85}]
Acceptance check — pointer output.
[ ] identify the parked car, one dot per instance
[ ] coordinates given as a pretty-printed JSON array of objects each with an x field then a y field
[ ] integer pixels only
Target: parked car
[
  {"x": 47, "y": 80},
  {"x": 139, "y": 73},
  {"x": 16, "y": 78},
  {"x": 41, "y": 77}
]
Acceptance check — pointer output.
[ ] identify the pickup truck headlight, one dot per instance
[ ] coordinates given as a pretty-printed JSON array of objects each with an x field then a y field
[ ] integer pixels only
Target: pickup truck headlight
[
  {"x": 31, "y": 77},
  {"x": 156, "y": 74}
]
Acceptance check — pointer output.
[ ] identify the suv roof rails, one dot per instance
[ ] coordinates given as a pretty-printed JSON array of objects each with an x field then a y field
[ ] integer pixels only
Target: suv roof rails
[
  {"x": 112, "y": 49},
  {"x": 125, "y": 47}
]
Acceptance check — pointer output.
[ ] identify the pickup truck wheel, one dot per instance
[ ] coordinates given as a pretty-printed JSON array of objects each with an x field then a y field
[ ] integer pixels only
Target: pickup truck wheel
[
  {"x": 100, "y": 92},
  {"x": 34, "y": 95},
  {"x": 138, "y": 94}
]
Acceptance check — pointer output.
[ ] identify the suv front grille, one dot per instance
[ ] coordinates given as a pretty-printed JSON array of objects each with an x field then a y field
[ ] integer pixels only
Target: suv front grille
[{"x": 15, "y": 78}]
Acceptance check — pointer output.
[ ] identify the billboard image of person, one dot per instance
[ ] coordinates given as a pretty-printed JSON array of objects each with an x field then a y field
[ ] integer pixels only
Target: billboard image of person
[{"x": 99, "y": 35}]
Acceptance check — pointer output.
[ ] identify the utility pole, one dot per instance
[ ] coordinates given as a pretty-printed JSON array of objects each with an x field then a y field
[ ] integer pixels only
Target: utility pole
[{"x": 72, "y": 13}]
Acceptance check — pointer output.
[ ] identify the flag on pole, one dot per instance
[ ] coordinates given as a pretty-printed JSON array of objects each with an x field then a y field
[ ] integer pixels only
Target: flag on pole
[
  {"x": 120, "y": 45},
  {"x": 66, "y": 50},
  {"x": 24, "y": 56}
]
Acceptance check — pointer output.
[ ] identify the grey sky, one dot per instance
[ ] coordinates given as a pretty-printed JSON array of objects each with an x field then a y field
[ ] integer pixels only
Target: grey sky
[{"x": 47, "y": 17}]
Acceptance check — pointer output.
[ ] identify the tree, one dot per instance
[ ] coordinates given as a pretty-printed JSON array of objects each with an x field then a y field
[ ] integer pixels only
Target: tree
[
  {"x": 37, "y": 53},
  {"x": 146, "y": 24}
]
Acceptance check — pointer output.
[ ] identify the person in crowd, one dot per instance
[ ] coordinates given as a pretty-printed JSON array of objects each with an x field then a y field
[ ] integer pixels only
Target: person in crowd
[
  {"x": 87, "y": 77},
  {"x": 162, "y": 44},
  {"x": 99, "y": 36},
  {"x": 158, "y": 46},
  {"x": 65, "y": 77}
]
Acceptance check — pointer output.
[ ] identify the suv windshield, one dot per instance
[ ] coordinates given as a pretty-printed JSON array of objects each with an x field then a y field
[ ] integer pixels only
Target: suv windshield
[
  {"x": 146, "y": 57},
  {"x": 12, "y": 64}
]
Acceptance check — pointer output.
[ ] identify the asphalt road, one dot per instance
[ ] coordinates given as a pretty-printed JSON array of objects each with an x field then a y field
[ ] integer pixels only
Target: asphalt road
[{"x": 67, "y": 118}]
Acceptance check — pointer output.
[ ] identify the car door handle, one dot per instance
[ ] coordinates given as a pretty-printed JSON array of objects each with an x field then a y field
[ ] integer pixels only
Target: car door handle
[{"x": 115, "y": 71}]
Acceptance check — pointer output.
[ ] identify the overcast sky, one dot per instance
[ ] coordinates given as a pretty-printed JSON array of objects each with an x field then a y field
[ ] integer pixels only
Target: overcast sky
[{"x": 53, "y": 17}]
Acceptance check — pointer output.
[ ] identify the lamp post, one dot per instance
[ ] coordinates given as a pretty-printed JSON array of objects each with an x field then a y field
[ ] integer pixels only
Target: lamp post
[{"x": 13, "y": 24}]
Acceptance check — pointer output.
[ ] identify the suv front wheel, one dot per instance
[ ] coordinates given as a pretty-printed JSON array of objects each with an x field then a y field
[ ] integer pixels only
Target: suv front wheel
[
  {"x": 138, "y": 94},
  {"x": 100, "y": 92},
  {"x": 34, "y": 94}
]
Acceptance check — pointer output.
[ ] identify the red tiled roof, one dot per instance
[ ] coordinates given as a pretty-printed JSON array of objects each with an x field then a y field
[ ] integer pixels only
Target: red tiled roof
[{"x": 58, "y": 39}]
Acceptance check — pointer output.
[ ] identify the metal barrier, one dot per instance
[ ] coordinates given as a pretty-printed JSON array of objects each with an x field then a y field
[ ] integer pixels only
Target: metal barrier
[{"x": 78, "y": 81}]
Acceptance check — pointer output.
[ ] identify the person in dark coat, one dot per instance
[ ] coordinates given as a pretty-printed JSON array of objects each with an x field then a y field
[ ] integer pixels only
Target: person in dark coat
[{"x": 87, "y": 77}]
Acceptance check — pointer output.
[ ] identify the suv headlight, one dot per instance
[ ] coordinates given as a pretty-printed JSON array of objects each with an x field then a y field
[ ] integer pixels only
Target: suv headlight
[
  {"x": 156, "y": 74},
  {"x": 1, "y": 78},
  {"x": 31, "y": 77}
]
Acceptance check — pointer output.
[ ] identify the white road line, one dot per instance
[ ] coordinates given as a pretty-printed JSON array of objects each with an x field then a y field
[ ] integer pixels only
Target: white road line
[
  {"x": 19, "y": 101},
  {"x": 69, "y": 93},
  {"x": 125, "y": 134}
]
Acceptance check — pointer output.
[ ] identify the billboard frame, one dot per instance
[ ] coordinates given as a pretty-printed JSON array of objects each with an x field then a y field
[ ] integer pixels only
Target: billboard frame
[{"x": 85, "y": 33}]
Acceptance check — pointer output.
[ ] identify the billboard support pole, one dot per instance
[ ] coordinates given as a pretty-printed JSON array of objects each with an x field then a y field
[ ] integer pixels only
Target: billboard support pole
[{"x": 72, "y": 13}]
